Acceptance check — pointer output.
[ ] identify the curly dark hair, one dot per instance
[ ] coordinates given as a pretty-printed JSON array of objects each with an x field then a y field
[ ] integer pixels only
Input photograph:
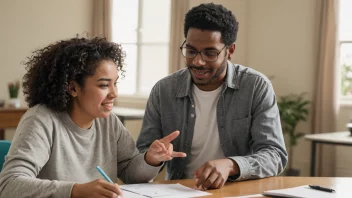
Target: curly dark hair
[
  {"x": 213, "y": 17},
  {"x": 52, "y": 68}
]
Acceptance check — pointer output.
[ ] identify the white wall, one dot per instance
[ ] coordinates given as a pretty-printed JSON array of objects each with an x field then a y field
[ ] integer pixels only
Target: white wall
[{"x": 29, "y": 25}]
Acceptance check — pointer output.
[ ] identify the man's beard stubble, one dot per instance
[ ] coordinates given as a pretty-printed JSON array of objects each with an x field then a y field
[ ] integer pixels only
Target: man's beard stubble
[{"x": 214, "y": 77}]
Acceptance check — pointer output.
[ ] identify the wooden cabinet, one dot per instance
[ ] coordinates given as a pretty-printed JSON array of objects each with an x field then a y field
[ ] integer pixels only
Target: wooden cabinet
[{"x": 9, "y": 118}]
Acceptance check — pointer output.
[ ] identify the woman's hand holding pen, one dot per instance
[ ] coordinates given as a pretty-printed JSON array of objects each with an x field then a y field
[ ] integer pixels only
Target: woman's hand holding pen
[
  {"x": 96, "y": 189},
  {"x": 162, "y": 150}
]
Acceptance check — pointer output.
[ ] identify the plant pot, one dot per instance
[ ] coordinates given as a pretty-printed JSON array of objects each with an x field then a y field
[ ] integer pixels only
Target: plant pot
[
  {"x": 15, "y": 102},
  {"x": 292, "y": 172}
]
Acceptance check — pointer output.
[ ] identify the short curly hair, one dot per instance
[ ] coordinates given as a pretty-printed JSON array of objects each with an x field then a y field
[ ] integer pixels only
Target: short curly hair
[
  {"x": 52, "y": 68},
  {"x": 213, "y": 17}
]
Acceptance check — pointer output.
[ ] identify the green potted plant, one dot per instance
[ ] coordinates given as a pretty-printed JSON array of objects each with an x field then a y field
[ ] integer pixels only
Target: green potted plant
[
  {"x": 13, "y": 91},
  {"x": 293, "y": 109}
]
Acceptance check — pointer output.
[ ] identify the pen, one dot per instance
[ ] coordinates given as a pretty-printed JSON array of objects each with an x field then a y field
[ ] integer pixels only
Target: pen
[
  {"x": 321, "y": 188},
  {"x": 105, "y": 176}
]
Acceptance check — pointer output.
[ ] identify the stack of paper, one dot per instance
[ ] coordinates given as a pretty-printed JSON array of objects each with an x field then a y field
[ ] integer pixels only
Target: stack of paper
[
  {"x": 300, "y": 191},
  {"x": 160, "y": 191}
]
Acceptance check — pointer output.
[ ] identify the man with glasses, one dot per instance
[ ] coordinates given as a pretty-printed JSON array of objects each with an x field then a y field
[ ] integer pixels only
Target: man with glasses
[{"x": 226, "y": 113}]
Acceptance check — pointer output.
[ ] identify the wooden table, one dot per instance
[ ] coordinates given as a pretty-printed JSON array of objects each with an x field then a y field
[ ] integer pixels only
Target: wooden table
[
  {"x": 342, "y": 185},
  {"x": 336, "y": 138},
  {"x": 9, "y": 117}
]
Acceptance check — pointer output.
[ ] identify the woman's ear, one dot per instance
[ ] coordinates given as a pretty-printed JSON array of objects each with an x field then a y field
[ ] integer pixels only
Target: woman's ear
[
  {"x": 72, "y": 88},
  {"x": 231, "y": 51}
]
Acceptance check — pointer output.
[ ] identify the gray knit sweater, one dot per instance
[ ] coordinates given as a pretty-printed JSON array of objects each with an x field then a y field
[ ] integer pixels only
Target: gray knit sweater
[{"x": 49, "y": 153}]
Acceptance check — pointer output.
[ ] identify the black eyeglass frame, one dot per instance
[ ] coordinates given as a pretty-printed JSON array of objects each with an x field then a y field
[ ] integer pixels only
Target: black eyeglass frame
[{"x": 200, "y": 52}]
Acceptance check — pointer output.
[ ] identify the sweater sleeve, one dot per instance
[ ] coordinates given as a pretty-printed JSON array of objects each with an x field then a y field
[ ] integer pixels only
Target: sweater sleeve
[
  {"x": 29, "y": 152},
  {"x": 132, "y": 167}
]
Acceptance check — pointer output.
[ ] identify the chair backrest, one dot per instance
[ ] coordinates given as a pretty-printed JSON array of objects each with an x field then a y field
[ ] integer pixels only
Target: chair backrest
[{"x": 4, "y": 149}]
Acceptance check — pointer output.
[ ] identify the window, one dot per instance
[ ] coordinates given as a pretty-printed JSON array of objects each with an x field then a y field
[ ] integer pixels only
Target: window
[
  {"x": 142, "y": 27},
  {"x": 345, "y": 44}
]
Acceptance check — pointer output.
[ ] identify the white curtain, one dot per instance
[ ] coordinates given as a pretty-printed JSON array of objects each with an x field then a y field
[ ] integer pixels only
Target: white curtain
[
  {"x": 179, "y": 8},
  {"x": 102, "y": 18},
  {"x": 325, "y": 99}
]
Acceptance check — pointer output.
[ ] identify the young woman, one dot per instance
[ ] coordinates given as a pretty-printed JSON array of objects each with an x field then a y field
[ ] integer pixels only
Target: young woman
[{"x": 70, "y": 87}]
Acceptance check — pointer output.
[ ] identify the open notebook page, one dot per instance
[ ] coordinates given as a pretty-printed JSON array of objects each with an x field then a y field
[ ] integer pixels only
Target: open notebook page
[{"x": 162, "y": 190}]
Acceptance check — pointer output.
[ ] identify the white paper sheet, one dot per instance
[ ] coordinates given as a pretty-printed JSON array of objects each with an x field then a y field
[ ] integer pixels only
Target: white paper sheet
[
  {"x": 128, "y": 194},
  {"x": 300, "y": 191},
  {"x": 248, "y": 196},
  {"x": 162, "y": 190}
]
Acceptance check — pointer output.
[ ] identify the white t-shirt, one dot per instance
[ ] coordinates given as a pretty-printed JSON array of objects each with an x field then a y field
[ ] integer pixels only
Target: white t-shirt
[{"x": 206, "y": 142}]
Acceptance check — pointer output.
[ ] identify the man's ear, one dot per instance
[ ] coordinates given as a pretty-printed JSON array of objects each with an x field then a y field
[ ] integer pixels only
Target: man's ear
[
  {"x": 72, "y": 88},
  {"x": 231, "y": 51}
]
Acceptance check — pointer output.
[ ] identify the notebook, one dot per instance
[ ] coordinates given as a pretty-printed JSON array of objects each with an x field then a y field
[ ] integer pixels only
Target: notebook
[{"x": 300, "y": 191}]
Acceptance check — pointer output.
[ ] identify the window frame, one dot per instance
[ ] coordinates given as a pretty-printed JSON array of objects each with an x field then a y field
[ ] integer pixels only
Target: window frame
[
  {"x": 343, "y": 100},
  {"x": 139, "y": 96}
]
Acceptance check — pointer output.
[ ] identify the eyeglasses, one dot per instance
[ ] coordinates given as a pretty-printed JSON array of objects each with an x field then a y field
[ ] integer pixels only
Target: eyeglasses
[{"x": 207, "y": 55}]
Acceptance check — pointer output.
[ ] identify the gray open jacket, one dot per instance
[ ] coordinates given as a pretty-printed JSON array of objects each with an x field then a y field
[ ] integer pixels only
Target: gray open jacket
[{"x": 247, "y": 115}]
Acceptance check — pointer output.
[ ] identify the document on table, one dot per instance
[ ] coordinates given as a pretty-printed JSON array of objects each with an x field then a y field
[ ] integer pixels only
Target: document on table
[
  {"x": 160, "y": 191},
  {"x": 249, "y": 196},
  {"x": 300, "y": 191}
]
